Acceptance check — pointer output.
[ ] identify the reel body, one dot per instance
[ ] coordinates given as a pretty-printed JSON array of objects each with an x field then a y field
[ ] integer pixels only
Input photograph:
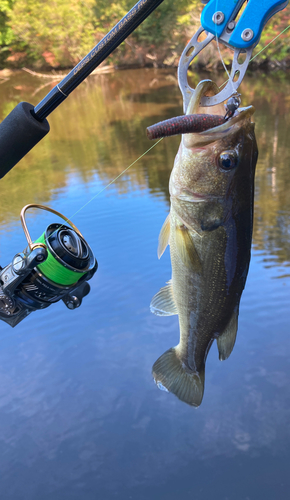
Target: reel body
[{"x": 56, "y": 267}]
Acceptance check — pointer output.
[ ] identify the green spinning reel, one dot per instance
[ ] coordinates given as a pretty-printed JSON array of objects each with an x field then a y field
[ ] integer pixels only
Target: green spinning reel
[{"x": 56, "y": 266}]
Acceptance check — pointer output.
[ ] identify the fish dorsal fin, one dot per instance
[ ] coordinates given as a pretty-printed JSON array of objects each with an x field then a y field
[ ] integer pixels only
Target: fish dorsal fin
[
  {"x": 227, "y": 339},
  {"x": 164, "y": 237},
  {"x": 163, "y": 303},
  {"x": 186, "y": 249}
]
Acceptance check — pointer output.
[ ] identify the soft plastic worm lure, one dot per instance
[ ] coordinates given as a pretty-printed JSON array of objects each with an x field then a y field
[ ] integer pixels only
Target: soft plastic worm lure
[{"x": 184, "y": 124}]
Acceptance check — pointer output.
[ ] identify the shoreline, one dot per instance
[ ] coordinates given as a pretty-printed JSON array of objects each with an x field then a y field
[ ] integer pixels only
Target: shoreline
[{"x": 50, "y": 72}]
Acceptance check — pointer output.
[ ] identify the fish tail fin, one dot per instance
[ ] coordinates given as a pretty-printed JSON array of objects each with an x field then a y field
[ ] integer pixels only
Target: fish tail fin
[{"x": 170, "y": 374}]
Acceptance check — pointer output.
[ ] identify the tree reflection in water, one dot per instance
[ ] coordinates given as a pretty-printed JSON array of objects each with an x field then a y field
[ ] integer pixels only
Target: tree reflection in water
[{"x": 101, "y": 129}]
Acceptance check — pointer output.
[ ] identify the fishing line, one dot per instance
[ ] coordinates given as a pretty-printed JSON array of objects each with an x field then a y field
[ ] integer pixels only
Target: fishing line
[
  {"x": 110, "y": 183},
  {"x": 139, "y": 158},
  {"x": 264, "y": 48},
  {"x": 55, "y": 270},
  {"x": 102, "y": 190},
  {"x": 226, "y": 70},
  {"x": 271, "y": 42},
  {"x": 219, "y": 51}
]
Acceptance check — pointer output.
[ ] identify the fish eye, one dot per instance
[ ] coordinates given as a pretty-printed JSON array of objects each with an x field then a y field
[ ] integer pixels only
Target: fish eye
[{"x": 228, "y": 160}]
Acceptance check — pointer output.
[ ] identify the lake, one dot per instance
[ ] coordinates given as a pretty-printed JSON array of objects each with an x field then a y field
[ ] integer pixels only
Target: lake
[{"x": 80, "y": 415}]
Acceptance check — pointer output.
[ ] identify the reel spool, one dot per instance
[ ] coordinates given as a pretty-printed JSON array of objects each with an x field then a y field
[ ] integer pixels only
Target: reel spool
[{"x": 56, "y": 266}]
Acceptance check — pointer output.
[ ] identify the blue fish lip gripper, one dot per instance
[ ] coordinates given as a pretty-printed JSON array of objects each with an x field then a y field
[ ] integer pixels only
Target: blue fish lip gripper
[
  {"x": 218, "y": 18},
  {"x": 221, "y": 21}
]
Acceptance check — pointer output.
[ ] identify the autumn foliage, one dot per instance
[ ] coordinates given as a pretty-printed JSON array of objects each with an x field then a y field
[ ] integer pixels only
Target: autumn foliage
[{"x": 58, "y": 33}]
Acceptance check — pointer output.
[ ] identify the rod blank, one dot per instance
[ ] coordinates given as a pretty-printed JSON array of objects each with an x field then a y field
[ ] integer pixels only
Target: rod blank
[
  {"x": 25, "y": 126},
  {"x": 98, "y": 54}
]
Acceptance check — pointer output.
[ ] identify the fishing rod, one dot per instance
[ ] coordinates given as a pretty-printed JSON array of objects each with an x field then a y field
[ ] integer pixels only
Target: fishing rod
[
  {"x": 26, "y": 125},
  {"x": 59, "y": 264}
]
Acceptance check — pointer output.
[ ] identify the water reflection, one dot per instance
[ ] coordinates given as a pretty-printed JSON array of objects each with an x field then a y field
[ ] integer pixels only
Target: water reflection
[
  {"x": 80, "y": 415},
  {"x": 94, "y": 132},
  {"x": 101, "y": 129}
]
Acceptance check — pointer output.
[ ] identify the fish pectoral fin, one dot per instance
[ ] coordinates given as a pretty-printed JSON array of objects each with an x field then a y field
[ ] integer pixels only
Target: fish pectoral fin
[
  {"x": 186, "y": 249},
  {"x": 163, "y": 303},
  {"x": 164, "y": 237},
  {"x": 227, "y": 339},
  {"x": 170, "y": 374}
]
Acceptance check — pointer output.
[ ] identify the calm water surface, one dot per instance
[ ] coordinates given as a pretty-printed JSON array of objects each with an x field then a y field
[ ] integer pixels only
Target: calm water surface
[{"x": 80, "y": 416}]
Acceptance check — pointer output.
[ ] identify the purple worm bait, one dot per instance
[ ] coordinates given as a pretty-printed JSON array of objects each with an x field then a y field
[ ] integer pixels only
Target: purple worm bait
[{"x": 184, "y": 124}]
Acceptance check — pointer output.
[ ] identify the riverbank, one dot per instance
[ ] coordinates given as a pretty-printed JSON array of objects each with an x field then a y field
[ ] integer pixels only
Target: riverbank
[
  {"x": 57, "y": 35},
  {"x": 46, "y": 72},
  {"x": 267, "y": 57}
]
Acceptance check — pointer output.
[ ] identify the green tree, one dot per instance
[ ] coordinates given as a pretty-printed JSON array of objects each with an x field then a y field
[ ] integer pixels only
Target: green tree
[
  {"x": 160, "y": 38},
  {"x": 58, "y": 33},
  {"x": 6, "y": 34},
  {"x": 61, "y": 32}
]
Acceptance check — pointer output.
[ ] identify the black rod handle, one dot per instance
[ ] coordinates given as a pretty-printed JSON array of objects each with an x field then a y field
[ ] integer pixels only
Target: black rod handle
[
  {"x": 25, "y": 126},
  {"x": 20, "y": 131},
  {"x": 98, "y": 54}
]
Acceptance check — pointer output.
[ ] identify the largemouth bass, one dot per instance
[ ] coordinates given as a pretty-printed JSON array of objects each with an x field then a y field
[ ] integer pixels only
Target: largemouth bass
[{"x": 209, "y": 230}]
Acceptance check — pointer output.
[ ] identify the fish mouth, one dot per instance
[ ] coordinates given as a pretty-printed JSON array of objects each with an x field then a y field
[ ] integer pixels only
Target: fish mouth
[
  {"x": 200, "y": 140},
  {"x": 197, "y": 128},
  {"x": 229, "y": 127}
]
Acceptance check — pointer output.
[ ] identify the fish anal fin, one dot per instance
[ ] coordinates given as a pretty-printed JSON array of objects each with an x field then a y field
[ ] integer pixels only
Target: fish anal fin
[
  {"x": 164, "y": 237},
  {"x": 227, "y": 339},
  {"x": 170, "y": 374},
  {"x": 163, "y": 303},
  {"x": 186, "y": 249}
]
